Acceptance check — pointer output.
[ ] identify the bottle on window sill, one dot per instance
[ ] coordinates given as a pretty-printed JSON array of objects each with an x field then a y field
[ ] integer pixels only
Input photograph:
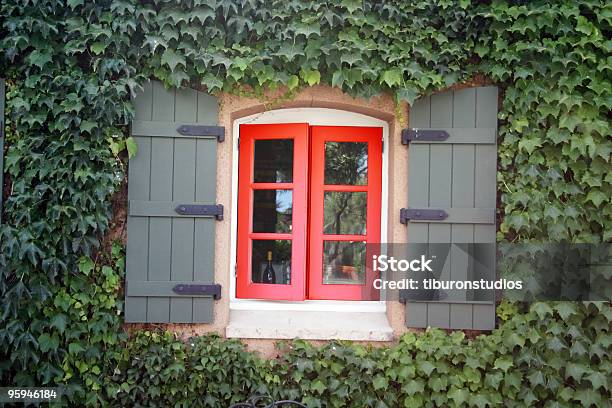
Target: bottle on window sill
[{"x": 269, "y": 276}]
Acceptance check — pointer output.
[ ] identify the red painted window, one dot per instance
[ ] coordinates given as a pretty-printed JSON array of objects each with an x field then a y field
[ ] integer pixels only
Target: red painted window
[{"x": 309, "y": 203}]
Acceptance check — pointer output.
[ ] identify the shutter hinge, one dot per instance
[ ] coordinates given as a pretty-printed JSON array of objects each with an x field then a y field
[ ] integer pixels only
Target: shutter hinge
[
  {"x": 408, "y": 214},
  {"x": 201, "y": 130},
  {"x": 423, "y": 135},
  {"x": 214, "y": 210},
  {"x": 213, "y": 289}
]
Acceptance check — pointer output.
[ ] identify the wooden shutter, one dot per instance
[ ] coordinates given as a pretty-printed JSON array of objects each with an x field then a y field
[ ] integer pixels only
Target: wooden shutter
[
  {"x": 173, "y": 172},
  {"x": 456, "y": 175},
  {"x": 2, "y": 91}
]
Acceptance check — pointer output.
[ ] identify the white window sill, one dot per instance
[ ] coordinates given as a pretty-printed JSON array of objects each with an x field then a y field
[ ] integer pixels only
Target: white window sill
[{"x": 309, "y": 325}]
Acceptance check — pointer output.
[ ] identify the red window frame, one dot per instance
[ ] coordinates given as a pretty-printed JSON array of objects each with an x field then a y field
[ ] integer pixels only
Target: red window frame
[
  {"x": 307, "y": 215},
  {"x": 245, "y": 288},
  {"x": 373, "y": 189}
]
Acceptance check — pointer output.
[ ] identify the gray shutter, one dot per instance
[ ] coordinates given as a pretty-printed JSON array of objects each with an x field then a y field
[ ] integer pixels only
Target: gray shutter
[
  {"x": 457, "y": 175},
  {"x": 174, "y": 169},
  {"x": 2, "y": 91}
]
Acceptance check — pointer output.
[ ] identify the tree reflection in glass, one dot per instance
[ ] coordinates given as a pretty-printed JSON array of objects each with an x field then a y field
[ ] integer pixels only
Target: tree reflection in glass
[{"x": 346, "y": 163}]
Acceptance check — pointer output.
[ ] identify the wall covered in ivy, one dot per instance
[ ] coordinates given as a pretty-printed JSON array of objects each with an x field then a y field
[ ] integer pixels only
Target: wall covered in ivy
[{"x": 71, "y": 66}]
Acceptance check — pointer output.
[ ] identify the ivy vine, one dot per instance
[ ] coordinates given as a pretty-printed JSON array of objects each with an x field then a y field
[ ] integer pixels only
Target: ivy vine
[{"x": 73, "y": 64}]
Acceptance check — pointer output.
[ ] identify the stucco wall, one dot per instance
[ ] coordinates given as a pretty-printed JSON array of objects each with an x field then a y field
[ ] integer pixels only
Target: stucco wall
[{"x": 233, "y": 107}]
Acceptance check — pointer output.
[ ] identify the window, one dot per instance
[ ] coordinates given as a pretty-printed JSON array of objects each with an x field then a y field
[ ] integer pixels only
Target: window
[{"x": 309, "y": 202}]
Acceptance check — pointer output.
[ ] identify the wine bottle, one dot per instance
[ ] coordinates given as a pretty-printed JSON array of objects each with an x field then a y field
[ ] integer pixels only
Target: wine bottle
[{"x": 269, "y": 276}]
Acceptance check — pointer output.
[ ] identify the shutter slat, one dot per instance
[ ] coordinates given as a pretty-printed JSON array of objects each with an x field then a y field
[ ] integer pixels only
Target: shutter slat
[
  {"x": 183, "y": 187},
  {"x": 137, "y": 248}
]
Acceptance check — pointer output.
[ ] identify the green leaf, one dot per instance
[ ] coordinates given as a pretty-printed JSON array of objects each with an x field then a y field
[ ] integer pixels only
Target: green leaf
[
  {"x": 392, "y": 77},
  {"x": 597, "y": 197},
  {"x": 74, "y": 3},
  {"x": 293, "y": 82},
  {"x": 318, "y": 386},
  {"x": 40, "y": 58},
  {"x": 588, "y": 398},
  {"x": 47, "y": 342},
  {"x": 408, "y": 94},
  {"x": 458, "y": 395},
  {"x": 172, "y": 59},
  {"x": 542, "y": 310},
  {"x": 59, "y": 322},
  {"x": 132, "y": 147},
  {"x": 426, "y": 367},
  {"x": 380, "y": 382},
  {"x": 86, "y": 265},
  {"x": 75, "y": 348},
  {"x": 503, "y": 363},
  {"x": 97, "y": 48},
  {"x": 413, "y": 386},
  {"x": 311, "y": 77}
]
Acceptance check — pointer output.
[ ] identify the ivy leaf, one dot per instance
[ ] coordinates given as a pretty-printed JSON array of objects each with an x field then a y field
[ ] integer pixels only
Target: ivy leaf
[
  {"x": 47, "y": 342},
  {"x": 318, "y": 386},
  {"x": 293, "y": 82},
  {"x": 598, "y": 380},
  {"x": 458, "y": 395},
  {"x": 132, "y": 147},
  {"x": 338, "y": 79},
  {"x": 380, "y": 382},
  {"x": 75, "y": 348},
  {"x": 597, "y": 197},
  {"x": 503, "y": 363},
  {"x": 391, "y": 77},
  {"x": 172, "y": 59},
  {"x": 86, "y": 265},
  {"x": 311, "y": 77},
  {"x": 542, "y": 310},
  {"x": 412, "y": 387},
  {"x": 588, "y": 398},
  {"x": 307, "y": 30},
  {"x": 97, "y": 48},
  {"x": 59, "y": 322},
  {"x": 74, "y": 3},
  {"x": 88, "y": 125},
  {"x": 408, "y": 94},
  {"x": 40, "y": 58}
]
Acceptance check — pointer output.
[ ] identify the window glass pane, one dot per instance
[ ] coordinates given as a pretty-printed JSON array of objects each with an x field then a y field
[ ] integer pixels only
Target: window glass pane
[
  {"x": 346, "y": 163},
  {"x": 273, "y": 161},
  {"x": 272, "y": 210},
  {"x": 344, "y": 213},
  {"x": 344, "y": 262},
  {"x": 271, "y": 261}
]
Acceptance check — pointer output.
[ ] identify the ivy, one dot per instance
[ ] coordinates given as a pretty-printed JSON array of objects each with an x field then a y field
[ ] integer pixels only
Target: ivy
[
  {"x": 72, "y": 66},
  {"x": 515, "y": 366}
]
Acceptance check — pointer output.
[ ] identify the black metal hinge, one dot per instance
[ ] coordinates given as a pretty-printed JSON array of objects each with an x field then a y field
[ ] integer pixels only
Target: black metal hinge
[
  {"x": 424, "y": 135},
  {"x": 200, "y": 130},
  {"x": 214, "y": 210},
  {"x": 212, "y": 289},
  {"x": 407, "y": 214}
]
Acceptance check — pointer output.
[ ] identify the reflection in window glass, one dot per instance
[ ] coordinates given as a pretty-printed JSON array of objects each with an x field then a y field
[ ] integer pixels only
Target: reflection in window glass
[
  {"x": 272, "y": 210},
  {"x": 346, "y": 163},
  {"x": 271, "y": 262},
  {"x": 344, "y": 262},
  {"x": 273, "y": 161},
  {"x": 344, "y": 213}
]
